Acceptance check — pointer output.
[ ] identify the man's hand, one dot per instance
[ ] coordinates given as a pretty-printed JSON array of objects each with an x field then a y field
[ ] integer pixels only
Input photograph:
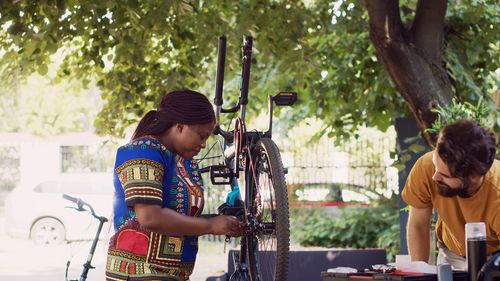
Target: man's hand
[{"x": 418, "y": 236}]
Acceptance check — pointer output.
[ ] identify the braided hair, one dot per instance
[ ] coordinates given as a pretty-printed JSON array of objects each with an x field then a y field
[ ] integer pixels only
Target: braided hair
[{"x": 177, "y": 107}]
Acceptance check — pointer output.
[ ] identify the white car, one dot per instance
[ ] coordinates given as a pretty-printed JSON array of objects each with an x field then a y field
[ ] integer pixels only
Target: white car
[
  {"x": 330, "y": 197},
  {"x": 40, "y": 213}
]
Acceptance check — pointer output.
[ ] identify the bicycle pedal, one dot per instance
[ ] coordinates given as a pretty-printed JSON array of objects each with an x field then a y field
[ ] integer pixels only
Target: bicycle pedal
[{"x": 220, "y": 175}]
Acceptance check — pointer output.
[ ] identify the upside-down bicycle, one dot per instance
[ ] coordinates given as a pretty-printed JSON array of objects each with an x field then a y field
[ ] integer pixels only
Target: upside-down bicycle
[{"x": 254, "y": 159}]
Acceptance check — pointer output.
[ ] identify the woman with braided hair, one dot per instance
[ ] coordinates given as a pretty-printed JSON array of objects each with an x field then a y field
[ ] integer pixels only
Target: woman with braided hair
[{"x": 159, "y": 193}]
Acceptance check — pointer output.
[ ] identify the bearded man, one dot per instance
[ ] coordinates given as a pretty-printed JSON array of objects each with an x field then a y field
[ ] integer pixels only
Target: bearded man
[{"x": 460, "y": 180}]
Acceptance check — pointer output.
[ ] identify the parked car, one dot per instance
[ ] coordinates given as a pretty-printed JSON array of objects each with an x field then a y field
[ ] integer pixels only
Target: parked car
[
  {"x": 39, "y": 212},
  {"x": 327, "y": 196}
]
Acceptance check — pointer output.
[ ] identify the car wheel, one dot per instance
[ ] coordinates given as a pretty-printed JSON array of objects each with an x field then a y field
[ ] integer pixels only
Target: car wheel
[{"x": 47, "y": 231}]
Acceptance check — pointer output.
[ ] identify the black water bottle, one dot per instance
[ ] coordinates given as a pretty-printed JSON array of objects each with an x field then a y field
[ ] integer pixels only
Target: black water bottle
[{"x": 476, "y": 248}]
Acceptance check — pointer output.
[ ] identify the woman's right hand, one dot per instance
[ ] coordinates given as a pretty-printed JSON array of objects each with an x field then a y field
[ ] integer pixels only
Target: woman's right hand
[{"x": 226, "y": 225}]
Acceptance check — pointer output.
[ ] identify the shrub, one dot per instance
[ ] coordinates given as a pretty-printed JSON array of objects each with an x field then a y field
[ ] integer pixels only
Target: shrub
[{"x": 374, "y": 226}]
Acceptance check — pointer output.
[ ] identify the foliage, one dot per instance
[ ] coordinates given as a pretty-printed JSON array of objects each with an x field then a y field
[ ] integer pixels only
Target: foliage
[
  {"x": 473, "y": 41},
  {"x": 42, "y": 108},
  {"x": 136, "y": 50},
  {"x": 483, "y": 113},
  {"x": 375, "y": 226}
]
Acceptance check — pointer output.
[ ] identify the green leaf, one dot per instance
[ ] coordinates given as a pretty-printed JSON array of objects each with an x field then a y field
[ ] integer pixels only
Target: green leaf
[
  {"x": 43, "y": 69},
  {"x": 322, "y": 53},
  {"x": 405, "y": 158},
  {"x": 416, "y": 148},
  {"x": 29, "y": 48}
]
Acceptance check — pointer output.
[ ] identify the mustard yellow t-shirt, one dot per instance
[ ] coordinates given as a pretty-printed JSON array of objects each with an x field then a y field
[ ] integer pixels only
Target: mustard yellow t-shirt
[{"x": 420, "y": 191}]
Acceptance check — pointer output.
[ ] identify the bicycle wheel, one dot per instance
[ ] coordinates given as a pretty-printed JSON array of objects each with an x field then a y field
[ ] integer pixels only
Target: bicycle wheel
[{"x": 268, "y": 241}]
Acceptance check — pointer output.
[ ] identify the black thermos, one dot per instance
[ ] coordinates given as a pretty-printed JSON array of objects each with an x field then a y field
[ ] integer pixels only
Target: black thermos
[{"x": 476, "y": 252}]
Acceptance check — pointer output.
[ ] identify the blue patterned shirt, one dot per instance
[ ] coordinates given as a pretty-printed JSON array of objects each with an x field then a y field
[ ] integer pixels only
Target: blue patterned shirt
[{"x": 147, "y": 173}]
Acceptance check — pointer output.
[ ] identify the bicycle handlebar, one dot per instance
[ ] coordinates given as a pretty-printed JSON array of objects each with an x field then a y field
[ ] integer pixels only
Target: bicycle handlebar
[
  {"x": 80, "y": 203},
  {"x": 245, "y": 70},
  {"x": 70, "y": 198},
  {"x": 228, "y": 136},
  {"x": 219, "y": 79},
  {"x": 245, "y": 77}
]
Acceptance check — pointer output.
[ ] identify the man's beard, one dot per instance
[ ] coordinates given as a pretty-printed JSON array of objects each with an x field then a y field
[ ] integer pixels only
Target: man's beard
[{"x": 447, "y": 191}]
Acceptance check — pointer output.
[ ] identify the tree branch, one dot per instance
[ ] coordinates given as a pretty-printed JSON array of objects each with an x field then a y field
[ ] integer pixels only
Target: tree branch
[
  {"x": 385, "y": 21},
  {"x": 427, "y": 28},
  {"x": 423, "y": 83}
]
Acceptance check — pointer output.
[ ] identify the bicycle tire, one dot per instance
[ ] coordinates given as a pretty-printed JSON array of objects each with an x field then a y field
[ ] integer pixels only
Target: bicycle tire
[{"x": 267, "y": 247}]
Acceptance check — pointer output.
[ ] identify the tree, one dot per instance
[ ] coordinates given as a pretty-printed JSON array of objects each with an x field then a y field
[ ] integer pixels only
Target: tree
[
  {"x": 413, "y": 57},
  {"x": 136, "y": 50},
  {"x": 462, "y": 43},
  {"x": 41, "y": 108}
]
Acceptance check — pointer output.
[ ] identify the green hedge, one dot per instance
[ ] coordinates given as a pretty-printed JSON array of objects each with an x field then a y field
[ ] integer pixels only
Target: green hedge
[{"x": 374, "y": 226}]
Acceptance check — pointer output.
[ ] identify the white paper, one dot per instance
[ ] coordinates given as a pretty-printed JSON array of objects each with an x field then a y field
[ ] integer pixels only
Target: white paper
[
  {"x": 342, "y": 269},
  {"x": 404, "y": 264}
]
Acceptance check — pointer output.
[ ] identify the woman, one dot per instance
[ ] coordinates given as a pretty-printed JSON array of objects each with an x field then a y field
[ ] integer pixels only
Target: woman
[{"x": 159, "y": 194}]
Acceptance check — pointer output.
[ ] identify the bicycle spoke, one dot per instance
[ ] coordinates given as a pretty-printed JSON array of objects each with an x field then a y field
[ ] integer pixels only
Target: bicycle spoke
[{"x": 268, "y": 257}]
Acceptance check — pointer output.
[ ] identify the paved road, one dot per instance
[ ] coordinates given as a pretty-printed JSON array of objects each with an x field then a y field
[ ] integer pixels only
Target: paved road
[{"x": 21, "y": 260}]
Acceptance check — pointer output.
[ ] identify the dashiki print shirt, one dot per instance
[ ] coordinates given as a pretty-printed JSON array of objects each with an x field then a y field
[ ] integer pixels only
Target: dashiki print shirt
[{"x": 147, "y": 173}]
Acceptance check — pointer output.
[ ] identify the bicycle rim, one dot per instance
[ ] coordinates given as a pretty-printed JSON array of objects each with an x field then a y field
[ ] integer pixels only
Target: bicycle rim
[{"x": 269, "y": 240}]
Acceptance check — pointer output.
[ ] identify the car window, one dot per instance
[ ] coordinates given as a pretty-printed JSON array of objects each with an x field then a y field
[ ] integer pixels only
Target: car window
[
  {"x": 48, "y": 187},
  {"x": 103, "y": 187},
  {"x": 76, "y": 187},
  {"x": 317, "y": 192},
  {"x": 350, "y": 195},
  {"x": 327, "y": 192}
]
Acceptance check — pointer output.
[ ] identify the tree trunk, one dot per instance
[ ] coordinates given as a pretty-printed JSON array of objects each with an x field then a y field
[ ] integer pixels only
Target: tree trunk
[
  {"x": 496, "y": 99},
  {"x": 413, "y": 58}
]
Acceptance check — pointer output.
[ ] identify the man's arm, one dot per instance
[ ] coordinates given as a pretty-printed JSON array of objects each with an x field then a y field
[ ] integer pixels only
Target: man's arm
[{"x": 418, "y": 236}]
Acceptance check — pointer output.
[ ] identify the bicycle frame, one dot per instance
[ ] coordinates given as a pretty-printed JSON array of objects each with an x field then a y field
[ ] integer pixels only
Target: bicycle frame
[
  {"x": 242, "y": 102},
  {"x": 235, "y": 141},
  {"x": 80, "y": 207},
  {"x": 239, "y": 145}
]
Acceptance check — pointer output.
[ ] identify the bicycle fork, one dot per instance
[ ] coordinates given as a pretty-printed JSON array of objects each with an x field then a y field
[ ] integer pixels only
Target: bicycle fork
[
  {"x": 88, "y": 264},
  {"x": 240, "y": 268}
]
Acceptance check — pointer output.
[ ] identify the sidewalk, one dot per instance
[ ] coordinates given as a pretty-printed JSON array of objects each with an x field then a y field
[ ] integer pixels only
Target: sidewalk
[{"x": 20, "y": 260}]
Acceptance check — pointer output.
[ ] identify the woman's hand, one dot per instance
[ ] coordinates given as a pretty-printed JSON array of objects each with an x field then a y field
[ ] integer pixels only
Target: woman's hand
[
  {"x": 227, "y": 225},
  {"x": 169, "y": 222}
]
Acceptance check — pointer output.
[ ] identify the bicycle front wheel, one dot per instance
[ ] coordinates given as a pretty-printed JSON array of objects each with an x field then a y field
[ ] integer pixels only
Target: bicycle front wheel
[{"x": 269, "y": 238}]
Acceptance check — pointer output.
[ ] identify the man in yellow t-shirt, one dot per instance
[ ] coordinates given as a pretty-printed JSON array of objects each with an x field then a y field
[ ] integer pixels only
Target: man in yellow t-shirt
[{"x": 460, "y": 179}]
